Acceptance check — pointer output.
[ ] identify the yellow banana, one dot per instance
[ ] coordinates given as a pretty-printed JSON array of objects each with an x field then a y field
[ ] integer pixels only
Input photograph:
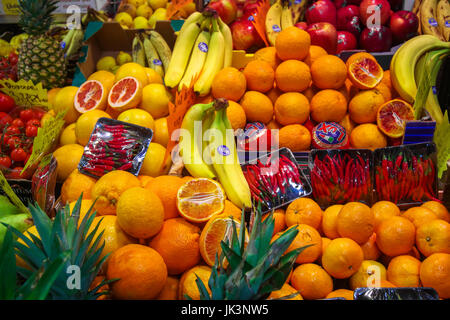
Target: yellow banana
[
  {"x": 226, "y": 32},
  {"x": 428, "y": 19},
  {"x": 286, "y": 16},
  {"x": 138, "y": 53},
  {"x": 161, "y": 46},
  {"x": 153, "y": 59},
  {"x": 443, "y": 18},
  {"x": 273, "y": 22}
]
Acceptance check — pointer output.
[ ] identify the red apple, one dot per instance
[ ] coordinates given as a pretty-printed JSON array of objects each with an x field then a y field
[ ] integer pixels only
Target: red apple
[
  {"x": 323, "y": 34},
  {"x": 249, "y": 9},
  {"x": 245, "y": 35},
  {"x": 376, "y": 39},
  {"x": 341, "y": 3},
  {"x": 346, "y": 41},
  {"x": 321, "y": 11},
  {"x": 345, "y": 15},
  {"x": 403, "y": 25},
  {"x": 374, "y": 12},
  {"x": 354, "y": 26},
  {"x": 226, "y": 9},
  {"x": 302, "y": 25}
]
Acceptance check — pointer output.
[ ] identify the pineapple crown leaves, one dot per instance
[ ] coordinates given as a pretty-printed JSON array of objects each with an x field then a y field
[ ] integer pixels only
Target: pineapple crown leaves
[
  {"x": 36, "y": 15},
  {"x": 64, "y": 235}
]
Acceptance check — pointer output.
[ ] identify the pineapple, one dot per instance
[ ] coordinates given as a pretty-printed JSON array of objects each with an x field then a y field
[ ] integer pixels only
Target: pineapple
[
  {"x": 41, "y": 57},
  {"x": 254, "y": 270}
]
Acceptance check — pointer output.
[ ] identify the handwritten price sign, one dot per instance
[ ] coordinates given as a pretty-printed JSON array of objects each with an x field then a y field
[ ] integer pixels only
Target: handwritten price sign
[{"x": 25, "y": 93}]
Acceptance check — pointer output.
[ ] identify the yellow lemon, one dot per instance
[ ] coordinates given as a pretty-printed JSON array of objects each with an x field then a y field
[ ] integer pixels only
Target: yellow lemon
[
  {"x": 137, "y": 3},
  {"x": 153, "y": 76},
  {"x": 158, "y": 14},
  {"x": 49, "y": 115},
  {"x": 106, "y": 63},
  {"x": 51, "y": 94},
  {"x": 64, "y": 100},
  {"x": 106, "y": 78},
  {"x": 68, "y": 135},
  {"x": 155, "y": 100},
  {"x": 123, "y": 58},
  {"x": 124, "y": 19},
  {"x": 155, "y": 4},
  {"x": 139, "y": 117},
  {"x": 144, "y": 11},
  {"x": 161, "y": 134},
  {"x": 140, "y": 23},
  {"x": 86, "y": 123},
  {"x": 75, "y": 185},
  {"x": 132, "y": 69},
  {"x": 67, "y": 157},
  {"x": 153, "y": 165}
]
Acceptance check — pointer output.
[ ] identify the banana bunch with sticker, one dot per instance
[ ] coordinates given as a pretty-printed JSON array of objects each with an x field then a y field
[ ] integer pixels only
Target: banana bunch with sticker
[{"x": 434, "y": 18}]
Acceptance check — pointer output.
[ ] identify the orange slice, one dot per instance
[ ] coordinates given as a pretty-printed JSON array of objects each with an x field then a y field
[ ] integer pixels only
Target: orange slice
[
  {"x": 125, "y": 94},
  {"x": 364, "y": 72},
  {"x": 392, "y": 115},
  {"x": 90, "y": 96},
  {"x": 200, "y": 199}
]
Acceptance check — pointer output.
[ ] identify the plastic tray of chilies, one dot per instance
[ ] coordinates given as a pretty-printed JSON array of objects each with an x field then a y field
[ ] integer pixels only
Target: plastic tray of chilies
[
  {"x": 115, "y": 145},
  {"x": 275, "y": 179},
  {"x": 339, "y": 176},
  {"x": 406, "y": 174}
]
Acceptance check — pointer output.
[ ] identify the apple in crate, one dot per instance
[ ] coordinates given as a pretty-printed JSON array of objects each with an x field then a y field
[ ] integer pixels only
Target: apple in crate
[
  {"x": 323, "y": 34},
  {"x": 226, "y": 9},
  {"x": 376, "y": 39},
  {"x": 245, "y": 35},
  {"x": 403, "y": 25},
  {"x": 374, "y": 11},
  {"x": 346, "y": 41},
  {"x": 345, "y": 16},
  {"x": 321, "y": 11}
]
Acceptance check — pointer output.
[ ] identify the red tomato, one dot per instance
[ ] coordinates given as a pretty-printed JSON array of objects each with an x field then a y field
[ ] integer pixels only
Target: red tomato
[
  {"x": 18, "y": 123},
  {"x": 38, "y": 114},
  {"x": 7, "y": 119},
  {"x": 18, "y": 155},
  {"x": 34, "y": 122},
  {"x": 12, "y": 130},
  {"x": 15, "y": 173},
  {"x": 26, "y": 115},
  {"x": 5, "y": 161},
  {"x": 6, "y": 103},
  {"x": 13, "y": 142},
  {"x": 31, "y": 131}
]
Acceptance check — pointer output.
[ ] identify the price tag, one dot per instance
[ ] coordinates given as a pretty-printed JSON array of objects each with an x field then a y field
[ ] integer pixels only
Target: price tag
[
  {"x": 6, "y": 188},
  {"x": 25, "y": 93}
]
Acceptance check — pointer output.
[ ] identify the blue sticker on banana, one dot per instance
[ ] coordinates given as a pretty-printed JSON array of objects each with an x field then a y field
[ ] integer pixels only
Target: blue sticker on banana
[
  {"x": 276, "y": 28},
  {"x": 223, "y": 150},
  {"x": 157, "y": 62},
  {"x": 203, "y": 47},
  {"x": 432, "y": 22}
]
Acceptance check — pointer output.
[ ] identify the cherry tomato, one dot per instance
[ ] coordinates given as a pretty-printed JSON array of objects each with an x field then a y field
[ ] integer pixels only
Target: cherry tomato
[
  {"x": 34, "y": 122},
  {"x": 38, "y": 114},
  {"x": 5, "y": 161},
  {"x": 15, "y": 173},
  {"x": 7, "y": 119},
  {"x": 12, "y": 130},
  {"x": 13, "y": 142},
  {"x": 26, "y": 115},
  {"x": 6, "y": 103},
  {"x": 18, "y": 155},
  {"x": 31, "y": 131},
  {"x": 18, "y": 123}
]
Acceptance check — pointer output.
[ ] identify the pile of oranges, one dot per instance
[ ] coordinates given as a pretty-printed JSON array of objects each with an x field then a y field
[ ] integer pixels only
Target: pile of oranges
[{"x": 294, "y": 85}]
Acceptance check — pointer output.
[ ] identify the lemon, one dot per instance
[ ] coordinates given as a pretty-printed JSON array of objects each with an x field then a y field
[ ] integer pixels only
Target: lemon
[
  {"x": 114, "y": 69},
  {"x": 144, "y": 11},
  {"x": 123, "y": 58},
  {"x": 161, "y": 134},
  {"x": 47, "y": 116},
  {"x": 106, "y": 78},
  {"x": 156, "y": 4},
  {"x": 86, "y": 204},
  {"x": 139, "y": 117},
  {"x": 51, "y": 94},
  {"x": 68, "y": 135},
  {"x": 86, "y": 123},
  {"x": 159, "y": 14},
  {"x": 125, "y": 19},
  {"x": 153, "y": 76},
  {"x": 140, "y": 23},
  {"x": 132, "y": 69},
  {"x": 155, "y": 100},
  {"x": 153, "y": 162},
  {"x": 137, "y": 3},
  {"x": 106, "y": 63},
  {"x": 67, "y": 157},
  {"x": 64, "y": 100}
]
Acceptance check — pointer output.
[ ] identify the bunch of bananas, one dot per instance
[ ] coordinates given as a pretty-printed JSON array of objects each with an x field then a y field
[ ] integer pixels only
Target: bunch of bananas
[
  {"x": 11, "y": 215},
  {"x": 419, "y": 58},
  {"x": 282, "y": 15},
  {"x": 203, "y": 47},
  {"x": 152, "y": 51},
  {"x": 434, "y": 17},
  {"x": 208, "y": 150}
]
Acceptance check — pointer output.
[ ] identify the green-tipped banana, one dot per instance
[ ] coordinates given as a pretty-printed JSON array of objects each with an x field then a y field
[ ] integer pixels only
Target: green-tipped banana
[
  {"x": 153, "y": 59},
  {"x": 138, "y": 53},
  {"x": 273, "y": 22},
  {"x": 161, "y": 46},
  {"x": 214, "y": 61},
  {"x": 226, "y": 32},
  {"x": 191, "y": 141},
  {"x": 286, "y": 16},
  {"x": 76, "y": 43}
]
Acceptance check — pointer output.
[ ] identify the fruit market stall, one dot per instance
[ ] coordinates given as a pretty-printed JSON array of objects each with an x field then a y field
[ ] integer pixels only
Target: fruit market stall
[{"x": 285, "y": 149}]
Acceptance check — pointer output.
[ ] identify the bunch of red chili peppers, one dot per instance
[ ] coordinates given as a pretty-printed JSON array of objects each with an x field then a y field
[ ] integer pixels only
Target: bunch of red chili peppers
[
  {"x": 114, "y": 146},
  {"x": 403, "y": 176},
  {"x": 340, "y": 176},
  {"x": 275, "y": 182}
]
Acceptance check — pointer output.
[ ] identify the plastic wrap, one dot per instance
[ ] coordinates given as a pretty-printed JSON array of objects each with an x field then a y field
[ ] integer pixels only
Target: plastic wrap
[
  {"x": 44, "y": 182},
  {"x": 395, "y": 294},
  {"x": 115, "y": 145}
]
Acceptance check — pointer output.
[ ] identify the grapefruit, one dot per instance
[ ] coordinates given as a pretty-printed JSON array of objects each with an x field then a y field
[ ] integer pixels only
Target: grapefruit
[
  {"x": 91, "y": 96},
  {"x": 125, "y": 94},
  {"x": 365, "y": 72},
  {"x": 392, "y": 115}
]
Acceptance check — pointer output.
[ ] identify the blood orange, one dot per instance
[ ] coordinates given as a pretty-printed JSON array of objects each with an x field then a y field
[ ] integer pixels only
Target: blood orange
[
  {"x": 364, "y": 72},
  {"x": 392, "y": 115},
  {"x": 125, "y": 94},
  {"x": 90, "y": 96}
]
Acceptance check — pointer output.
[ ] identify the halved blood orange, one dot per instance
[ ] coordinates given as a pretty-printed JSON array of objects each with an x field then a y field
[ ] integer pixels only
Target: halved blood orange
[
  {"x": 200, "y": 199},
  {"x": 364, "y": 71},
  {"x": 391, "y": 117},
  {"x": 91, "y": 96},
  {"x": 125, "y": 94}
]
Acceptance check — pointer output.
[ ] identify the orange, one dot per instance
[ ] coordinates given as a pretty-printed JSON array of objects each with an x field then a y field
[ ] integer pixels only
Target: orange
[
  {"x": 314, "y": 53},
  {"x": 273, "y": 125},
  {"x": 435, "y": 273},
  {"x": 291, "y": 108},
  {"x": 383, "y": 210},
  {"x": 369, "y": 274},
  {"x": 370, "y": 249},
  {"x": 170, "y": 289},
  {"x": 273, "y": 94},
  {"x": 230, "y": 209},
  {"x": 367, "y": 136},
  {"x": 285, "y": 291},
  {"x": 364, "y": 72},
  {"x": 145, "y": 180},
  {"x": 328, "y": 105},
  {"x": 51, "y": 94},
  {"x": 312, "y": 281},
  {"x": 141, "y": 271},
  {"x": 106, "y": 78},
  {"x": 177, "y": 243},
  {"x": 325, "y": 243},
  {"x": 358, "y": 55},
  {"x": 387, "y": 81},
  {"x": 87, "y": 205},
  {"x": 385, "y": 91},
  {"x": 395, "y": 236},
  {"x": 166, "y": 188},
  {"x": 85, "y": 124},
  {"x": 67, "y": 158},
  {"x": 329, "y": 220},
  {"x": 236, "y": 115},
  {"x": 161, "y": 133},
  {"x": 439, "y": 210},
  {"x": 295, "y": 137},
  {"x": 188, "y": 285},
  {"x": 75, "y": 185},
  {"x": 200, "y": 199},
  {"x": 342, "y": 258},
  {"x": 403, "y": 271},
  {"x": 348, "y": 124},
  {"x": 292, "y": 43},
  {"x": 229, "y": 83},
  {"x": 386, "y": 284},
  {"x": 363, "y": 107},
  {"x": 351, "y": 89},
  {"x": 260, "y": 75},
  {"x": 433, "y": 237},
  {"x": 391, "y": 117},
  {"x": 132, "y": 69},
  {"x": 269, "y": 55},
  {"x": 292, "y": 75},
  {"x": 279, "y": 217},
  {"x": 355, "y": 221},
  {"x": 310, "y": 92},
  {"x": 257, "y": 107},
  {"x": 304, "y": 211},
  {"x": 108, "y": 189},
  {"x": 125, "y": 94},
  {"x": 419, "y": 215},
  {"x": 91, "y": 95},
  {"x": 140, "y": 213},
  {"x": 344, "y": 92},
  {"x": 341, "y": 293},
  {"x": 328, "y": 72}
]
